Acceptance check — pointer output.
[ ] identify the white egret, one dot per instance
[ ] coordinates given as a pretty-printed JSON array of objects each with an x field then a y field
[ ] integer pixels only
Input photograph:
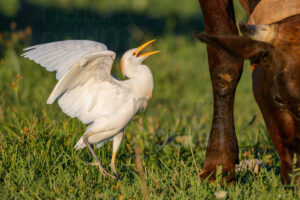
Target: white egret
[{"x": 86, "y": 89}]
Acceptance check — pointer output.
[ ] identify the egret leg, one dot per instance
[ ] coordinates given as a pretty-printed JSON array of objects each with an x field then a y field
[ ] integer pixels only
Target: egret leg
[
  {"x": 116, "y": 143},
  {"x": 98, "y": 162},
  {"x": 112, "y": 164}
]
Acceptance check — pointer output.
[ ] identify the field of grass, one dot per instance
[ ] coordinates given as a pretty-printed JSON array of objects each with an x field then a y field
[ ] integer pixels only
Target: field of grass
[{"x": 163, "y": 149}]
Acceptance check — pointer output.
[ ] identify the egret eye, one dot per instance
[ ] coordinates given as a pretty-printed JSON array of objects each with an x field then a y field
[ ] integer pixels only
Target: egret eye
[{"x": 134, "y": 53}]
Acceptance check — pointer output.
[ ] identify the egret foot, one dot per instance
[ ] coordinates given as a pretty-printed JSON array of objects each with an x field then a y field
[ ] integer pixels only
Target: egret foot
[
  {"x": 112, "y": 165},
  {"x": 98, "y": 162},
  {"x": 113, "y": 169},
  {"x": 103, "y": 171}
]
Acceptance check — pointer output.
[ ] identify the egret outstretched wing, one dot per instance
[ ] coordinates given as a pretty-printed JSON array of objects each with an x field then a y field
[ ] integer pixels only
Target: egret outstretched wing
[
  {"x": 60, "y": 56},
  {"x": 85, "y": 89}
]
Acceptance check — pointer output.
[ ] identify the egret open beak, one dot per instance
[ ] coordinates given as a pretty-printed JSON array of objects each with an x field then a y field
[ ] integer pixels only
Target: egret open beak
[{"x": 143, "y": 47}]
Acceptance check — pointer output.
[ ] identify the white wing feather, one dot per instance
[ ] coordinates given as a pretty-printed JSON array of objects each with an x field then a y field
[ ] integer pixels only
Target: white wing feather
[
  {"x": 85, "y": 89},
  {"x": 60, "y": 56},
  {"x": 93, "y": 65}
]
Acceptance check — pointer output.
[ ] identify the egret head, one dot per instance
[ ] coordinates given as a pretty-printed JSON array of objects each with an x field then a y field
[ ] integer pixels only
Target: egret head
[{"x": 133, "y": 58}]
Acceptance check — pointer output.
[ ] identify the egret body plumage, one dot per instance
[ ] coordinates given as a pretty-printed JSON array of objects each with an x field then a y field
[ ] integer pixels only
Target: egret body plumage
[{"x": 87, "y": 90}]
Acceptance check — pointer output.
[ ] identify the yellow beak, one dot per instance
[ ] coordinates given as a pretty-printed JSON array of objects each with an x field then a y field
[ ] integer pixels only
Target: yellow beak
[{"x": 143, "y": 47}]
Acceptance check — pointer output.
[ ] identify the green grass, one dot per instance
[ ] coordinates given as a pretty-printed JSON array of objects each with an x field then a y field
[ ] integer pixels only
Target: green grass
[
  {"x": 36, "y": 147},
  {"x": 37, "y": 159}
]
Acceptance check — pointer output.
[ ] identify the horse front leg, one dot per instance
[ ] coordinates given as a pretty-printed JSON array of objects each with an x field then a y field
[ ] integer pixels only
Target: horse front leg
[{"x": 225, "y": 71}]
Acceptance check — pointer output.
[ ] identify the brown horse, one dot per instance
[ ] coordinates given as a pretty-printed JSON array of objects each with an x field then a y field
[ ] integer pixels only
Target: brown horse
[{"x": 275, "y": 52}]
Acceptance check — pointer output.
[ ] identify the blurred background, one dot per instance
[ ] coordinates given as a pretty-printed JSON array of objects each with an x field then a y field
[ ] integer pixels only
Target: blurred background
[{"x": 120, "y": 24}]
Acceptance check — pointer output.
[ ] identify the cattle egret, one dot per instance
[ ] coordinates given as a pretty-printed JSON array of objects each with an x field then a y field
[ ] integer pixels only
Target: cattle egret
[{"x": 87, "y": 90}]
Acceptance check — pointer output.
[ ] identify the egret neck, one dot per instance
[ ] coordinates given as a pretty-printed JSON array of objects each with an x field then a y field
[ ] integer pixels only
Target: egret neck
[{"x": 140, "y": 79}]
